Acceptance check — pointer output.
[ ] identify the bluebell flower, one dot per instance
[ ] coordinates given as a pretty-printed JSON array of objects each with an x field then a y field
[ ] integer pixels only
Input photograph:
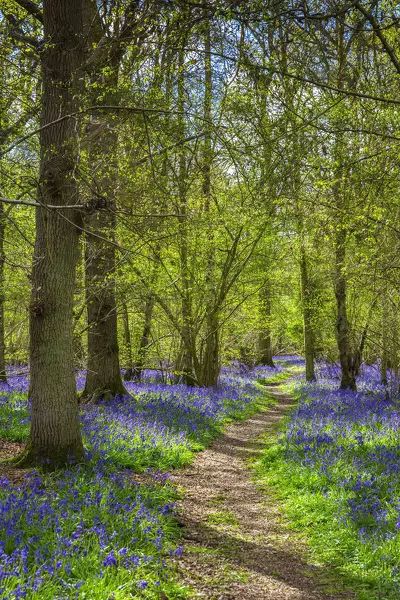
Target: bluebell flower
[{"x": 142, "y": 584}]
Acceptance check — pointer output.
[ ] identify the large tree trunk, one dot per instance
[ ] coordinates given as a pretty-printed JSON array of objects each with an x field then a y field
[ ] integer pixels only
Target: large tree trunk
[
  {"x": 103, "y": 379},
  {"x": 55, "y": 436},
  {"x": 308, "y": 328},
  {"x": 3, "y": 376}
]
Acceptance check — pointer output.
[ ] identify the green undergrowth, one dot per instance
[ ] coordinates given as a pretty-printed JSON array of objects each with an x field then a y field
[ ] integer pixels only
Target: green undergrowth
[
  {"x": 282, "y": 377},
  {"x": 14, "y": 418},
  {"x": 312, "y": 515}
]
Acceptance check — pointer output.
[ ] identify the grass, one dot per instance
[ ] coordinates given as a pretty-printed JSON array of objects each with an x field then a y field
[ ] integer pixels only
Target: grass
[
  {"x": 222, "y": 518},
  {"x": 316, "y": 493}
]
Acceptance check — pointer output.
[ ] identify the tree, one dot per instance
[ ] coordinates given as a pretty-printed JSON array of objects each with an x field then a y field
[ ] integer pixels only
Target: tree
[{"x": 55, "y": 436}]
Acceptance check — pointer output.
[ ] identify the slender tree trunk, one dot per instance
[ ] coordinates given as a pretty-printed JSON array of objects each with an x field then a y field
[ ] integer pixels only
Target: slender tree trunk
[
  {"x": 342, "y": 324},
  {"x": 3, "y": 376},
  {"x": 188, "y": 345},
  {"x": 127, "y": 342},
  {"x": 264, "y": 338},
  {"x": 308, "y": 328},
  {"x": 55, "y": 436},
  {"x": 348, "y": 376},
  {"x": 348, "y": 380},
  {"x": 384, "y": 339},
  {"x": 144, "y": 338},
  {"x": 210, "y": 362}
]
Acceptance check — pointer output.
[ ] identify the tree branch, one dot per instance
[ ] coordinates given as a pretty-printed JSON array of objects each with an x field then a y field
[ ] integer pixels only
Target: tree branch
[
  {"x": 378, "y": 32},
  {"x": 17, "y": 34},
  {"x": 31, "y": 8},
  {"x": 38, "y": 204}
]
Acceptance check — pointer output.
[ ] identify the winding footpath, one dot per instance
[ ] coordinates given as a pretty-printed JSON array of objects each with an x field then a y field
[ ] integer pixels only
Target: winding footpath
[{"x": 236, "y": 546}]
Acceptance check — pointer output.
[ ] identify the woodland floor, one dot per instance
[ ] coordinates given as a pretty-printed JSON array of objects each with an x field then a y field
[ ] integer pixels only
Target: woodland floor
[{"x": 237, "y": 546}]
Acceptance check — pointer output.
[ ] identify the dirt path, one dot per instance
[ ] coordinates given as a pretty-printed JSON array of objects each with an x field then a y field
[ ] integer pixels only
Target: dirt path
[{"x": 236, "y": 546}]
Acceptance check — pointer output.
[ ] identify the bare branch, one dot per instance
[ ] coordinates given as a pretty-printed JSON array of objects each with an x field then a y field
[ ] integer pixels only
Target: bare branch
[
  {"x": 38, "y": 204},
  {"x": 85, "y": 207}
]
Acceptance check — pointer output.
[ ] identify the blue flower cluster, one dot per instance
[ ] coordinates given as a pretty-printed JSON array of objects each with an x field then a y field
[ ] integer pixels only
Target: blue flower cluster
[
  {"x": 87, "y": 531},
  {"x": 351, "y": 439},
  {"x": 60, "y": 534}
]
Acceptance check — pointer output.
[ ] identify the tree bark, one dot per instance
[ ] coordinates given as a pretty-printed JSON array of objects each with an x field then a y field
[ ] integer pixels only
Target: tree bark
[
  {"x": 3, "y": 375},
  {"x": 144, "y": 338},
  {"x": 264, "y": 339},
  {"x": 103, "y": 378},
  {"x": 348, "y": 380},
  {"x": 210, "y": 366},
  {"x": 127, "y": 342},
  {"x": 308, "y": 328},
  {"x": 187, "y": 358},
  {"x": 55, "y": 436},
  {"x": 384, "y": 339},
  {"x": 210, "y": 362}
]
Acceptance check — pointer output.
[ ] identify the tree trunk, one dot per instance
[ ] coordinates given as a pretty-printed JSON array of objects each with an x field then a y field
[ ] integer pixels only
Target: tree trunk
[
  {"x": 308, "y": 328},
  {"x": 144, "y": 338},
  {"x": 384, "y": 339},
  {"x": 3, "y": 376},
  {"x": 55, "y": 436},
  {"x": 210, "y": 362},
  {"x": 188, "y": 344},
  {"x": 348, "y": 380},
  {"x": 103, "y": 379},
  {"x": 127, "y": 342},
  {"x": 264, "y": 339}
]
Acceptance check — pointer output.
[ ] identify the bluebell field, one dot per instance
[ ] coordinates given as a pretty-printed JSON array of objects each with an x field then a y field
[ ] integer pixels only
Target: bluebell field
[
  {"x": 344, "y": 449},
  {"x": 101, "y": 530},
  {"x": 106, "y": 529}
]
